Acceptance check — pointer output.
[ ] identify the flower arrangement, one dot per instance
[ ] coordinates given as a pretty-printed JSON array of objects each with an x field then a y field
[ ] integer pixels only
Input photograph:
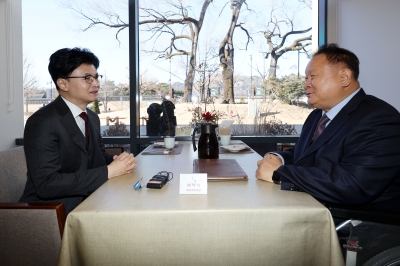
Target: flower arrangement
[
  {"x": 210, "y": 117},
  {"x": 199, "y": 117}
]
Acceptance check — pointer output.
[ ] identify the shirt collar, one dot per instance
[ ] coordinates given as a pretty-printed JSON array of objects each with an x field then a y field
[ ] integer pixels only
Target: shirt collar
[
  {"x": 336, "y": 109},
  {"x": 75, "y": 110}
]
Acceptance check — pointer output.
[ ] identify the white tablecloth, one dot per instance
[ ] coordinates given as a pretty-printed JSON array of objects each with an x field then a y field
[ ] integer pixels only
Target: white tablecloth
[{"x": 236, "y": 223}]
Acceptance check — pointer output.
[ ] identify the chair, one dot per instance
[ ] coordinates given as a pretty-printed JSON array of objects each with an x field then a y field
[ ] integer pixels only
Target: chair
[
  {"x": 30, "y": 233},
  {"x": 368, "y": 237},
  {"x": 114, "y": 150},
  {"x": 284, "y": 147}
]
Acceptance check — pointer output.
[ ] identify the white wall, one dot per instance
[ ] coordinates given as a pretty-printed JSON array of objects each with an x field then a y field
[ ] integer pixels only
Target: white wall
[
  {"x": 11, "y": 93},
  {"x": 369, "y": 28}
]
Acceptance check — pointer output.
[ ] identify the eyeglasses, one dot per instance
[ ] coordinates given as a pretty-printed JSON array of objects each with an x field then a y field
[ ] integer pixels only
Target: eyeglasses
[{"x": 88, "y": 78}]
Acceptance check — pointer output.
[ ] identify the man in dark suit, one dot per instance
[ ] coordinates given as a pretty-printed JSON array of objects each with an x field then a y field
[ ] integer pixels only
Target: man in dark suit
[
  {"x": 356, "y": 159},
  {"x": 64, "y": 150}
]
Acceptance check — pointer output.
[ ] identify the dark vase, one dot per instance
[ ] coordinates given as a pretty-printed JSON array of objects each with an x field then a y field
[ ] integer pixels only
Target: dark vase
[{"x": 208, "y": 142}]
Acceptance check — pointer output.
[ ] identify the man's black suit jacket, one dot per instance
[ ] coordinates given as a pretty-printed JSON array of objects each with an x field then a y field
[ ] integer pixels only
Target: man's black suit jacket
[
  {"x": 61, "y": 166},
  {"x": 355, "y": 161}
]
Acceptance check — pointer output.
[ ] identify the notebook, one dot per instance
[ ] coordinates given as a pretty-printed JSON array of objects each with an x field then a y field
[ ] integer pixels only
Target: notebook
[{"x": 220, "y": 169}]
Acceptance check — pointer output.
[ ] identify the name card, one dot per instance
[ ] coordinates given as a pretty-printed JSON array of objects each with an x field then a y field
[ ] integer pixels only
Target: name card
[{"x": 193, "y": 184}]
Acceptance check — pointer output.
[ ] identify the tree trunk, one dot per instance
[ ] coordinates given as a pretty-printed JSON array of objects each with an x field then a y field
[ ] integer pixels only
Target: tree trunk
[
  {"x": 105, "y": 103},
  {"x": 187, "y": 93},
  {"x": 171, "y": 94},
  {"x": 227, "y": 76},
  {"x": 272, "y": 67},
  {"x": 226, "y": 53}
]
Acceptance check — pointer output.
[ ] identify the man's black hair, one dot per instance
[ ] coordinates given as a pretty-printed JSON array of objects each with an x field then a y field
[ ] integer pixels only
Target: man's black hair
[
  {"x": 66, "y": 60},
  {"x": 337, "y": 55}
]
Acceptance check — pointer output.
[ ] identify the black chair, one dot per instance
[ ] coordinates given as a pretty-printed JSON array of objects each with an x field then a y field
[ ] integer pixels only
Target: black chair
[
  {"x": 114, "y": 150},
  {"x": 153, "y": 122},
  {"x": 284, "y": 147},
  {"x": 367, "y": 237}
]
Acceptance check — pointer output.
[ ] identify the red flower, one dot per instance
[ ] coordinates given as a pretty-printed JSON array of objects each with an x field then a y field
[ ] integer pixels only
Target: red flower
[{"x": 208, "y": 116}]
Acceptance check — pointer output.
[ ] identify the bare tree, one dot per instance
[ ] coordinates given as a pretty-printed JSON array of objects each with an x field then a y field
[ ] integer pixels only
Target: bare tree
[
  {"x": 207, "y": 77},
  {"x": 103, "y": 13},
  {"x": 226, "y": 52},
  {"x": 123, "y": 89},
  {"x": 281, "y": 38},
  {"x": 161, "y": 25},
  {"x": 172, "y": 19},
  {"x": 206, "y": 71},
  {"x": 149, "y": 88},
  {"x": 264, "y": 77},
  {"x": 108, "y": 88},
  {"x": 308, "y": 3},
  {"x": 29, "y": 83}
]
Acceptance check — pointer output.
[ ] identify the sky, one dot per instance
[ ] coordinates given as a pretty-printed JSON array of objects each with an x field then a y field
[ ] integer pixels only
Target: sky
[{"x": 49, "y": 26}]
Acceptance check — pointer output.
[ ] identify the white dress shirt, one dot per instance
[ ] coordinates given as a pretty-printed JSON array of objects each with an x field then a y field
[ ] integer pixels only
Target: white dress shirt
[{"x": 76, "y": 111}]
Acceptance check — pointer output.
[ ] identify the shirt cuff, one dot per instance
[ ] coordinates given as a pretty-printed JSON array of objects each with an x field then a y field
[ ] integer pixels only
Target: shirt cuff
[{"x": 277, "y": 154}]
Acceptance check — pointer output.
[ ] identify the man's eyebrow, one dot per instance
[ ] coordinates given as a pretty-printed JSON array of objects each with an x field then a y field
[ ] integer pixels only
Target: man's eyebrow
[{"x": 312, "y": 72}]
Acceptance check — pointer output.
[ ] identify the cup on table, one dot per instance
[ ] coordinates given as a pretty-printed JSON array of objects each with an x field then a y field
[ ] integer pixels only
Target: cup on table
[
  {"x": 224, "y": 130},
  {"x": 169, "y": 142},
  {"x": 225, "y": 139}
]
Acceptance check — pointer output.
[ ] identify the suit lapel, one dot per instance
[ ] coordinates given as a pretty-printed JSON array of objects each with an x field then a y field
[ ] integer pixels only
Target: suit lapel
[
  {"x": 94, "y": 126},
  {"x": 334, "y": 126},
  {"x": 70, "y": 124},
  {"x": 307, "y": 132}
]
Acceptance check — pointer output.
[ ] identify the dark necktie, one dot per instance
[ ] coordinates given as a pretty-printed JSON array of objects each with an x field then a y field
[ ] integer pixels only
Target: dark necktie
[
  {"x": 320, "y": 127},
  {"x": 85, "y": 117}
]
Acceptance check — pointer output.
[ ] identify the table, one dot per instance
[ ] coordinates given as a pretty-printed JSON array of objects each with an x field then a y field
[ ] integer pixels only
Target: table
[{"x": 236, "y": 223}]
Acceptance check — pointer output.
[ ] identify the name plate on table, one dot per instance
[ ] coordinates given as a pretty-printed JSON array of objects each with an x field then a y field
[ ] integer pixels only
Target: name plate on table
[
  {"x": 193, "y": 184},
  {"x": 220, "y": 169}
]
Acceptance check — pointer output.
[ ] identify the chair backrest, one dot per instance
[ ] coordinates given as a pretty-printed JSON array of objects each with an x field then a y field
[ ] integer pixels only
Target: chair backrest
[
  {"x": 114, "y": 150},
  {"x": 13, "y": 174},
  {"x": 30, "y": 233}
]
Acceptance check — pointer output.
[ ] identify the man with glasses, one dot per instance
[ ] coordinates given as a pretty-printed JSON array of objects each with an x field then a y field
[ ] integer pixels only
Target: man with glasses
[{"x": 64, "y": 150}]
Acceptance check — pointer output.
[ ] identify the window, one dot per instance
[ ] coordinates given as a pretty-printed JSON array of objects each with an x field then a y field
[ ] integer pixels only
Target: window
[
  {"x": 249, "y": 92},
  {"x": 188, "y": 60},
  {"x": 53, "y": 25}
]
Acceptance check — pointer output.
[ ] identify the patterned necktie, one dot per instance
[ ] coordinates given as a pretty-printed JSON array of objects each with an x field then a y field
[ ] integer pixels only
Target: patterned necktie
[
  {"x": 320, "y": 127},
  {"x": 85, "y": 117}
]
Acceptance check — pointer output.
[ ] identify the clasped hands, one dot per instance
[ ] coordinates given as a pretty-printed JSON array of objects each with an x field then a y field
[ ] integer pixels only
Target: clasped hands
[
  {"x": 122, "y": 164},
  {"x": 267, "y": 166}
]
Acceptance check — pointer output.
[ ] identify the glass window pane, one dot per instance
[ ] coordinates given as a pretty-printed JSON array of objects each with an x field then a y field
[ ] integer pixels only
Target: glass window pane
[
  {"x": 251, "y": 70},
  {"x": 52, "y": 25}
]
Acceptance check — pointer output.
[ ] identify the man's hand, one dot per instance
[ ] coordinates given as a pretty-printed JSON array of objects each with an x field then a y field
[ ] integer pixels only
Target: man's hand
[
  {"x": 122, "y": 164},
  {"x": 267, "y": 166}
]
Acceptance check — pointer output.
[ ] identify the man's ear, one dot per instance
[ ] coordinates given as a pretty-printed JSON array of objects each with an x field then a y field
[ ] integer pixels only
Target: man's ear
[
  {"x": 62, "y": 84},
  {"x": 346, "y": 77}
]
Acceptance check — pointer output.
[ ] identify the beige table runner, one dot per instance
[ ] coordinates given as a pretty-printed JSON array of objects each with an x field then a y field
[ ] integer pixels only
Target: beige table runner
[{"x": 160, "y": 150}]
